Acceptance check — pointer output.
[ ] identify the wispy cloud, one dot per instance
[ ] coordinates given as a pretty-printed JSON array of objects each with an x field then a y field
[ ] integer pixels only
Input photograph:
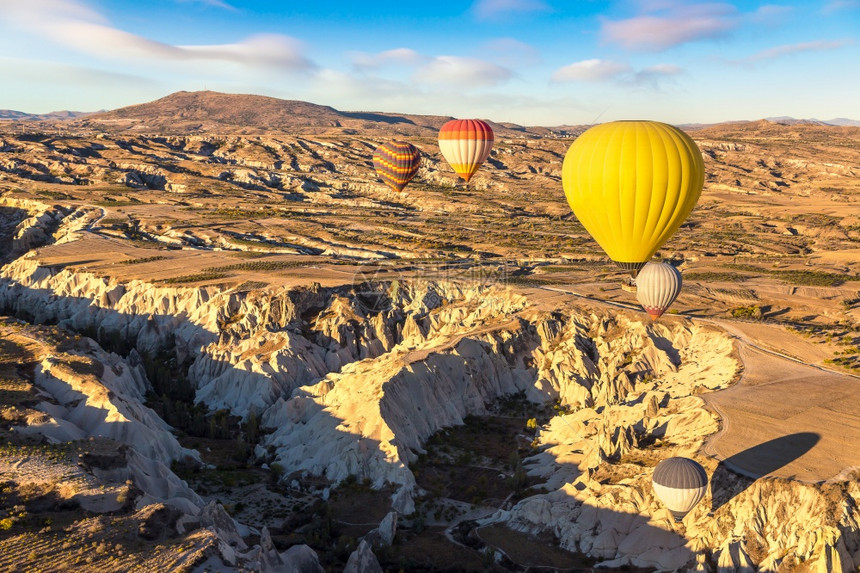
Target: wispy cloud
[
  {"x": 332, "y": 87},
  {"x": 653, "y": 75},
  {"x": 31, "y": 85},
  {"x": 610, "y": 71},
  {"x": 671, "y": 24},
  {"x": 461, "y": 71},
  {"x": 76, "y": 26},
  {"x": 771, "y": 14},
  {"x": 52, "y": 73},
  {"x": 213, "y": 3},
  {"x": 465, "y": 72},
  {"x": 510, "y": 52},
  {"x": 784, "y": 50},
  {"x": 590, "y": 71},
  {"x": 267, "y": 50},
  {"x": 839, "y": 5},
  {"x": 490, "y": 9},
  {"x": 400, "y": 56}
]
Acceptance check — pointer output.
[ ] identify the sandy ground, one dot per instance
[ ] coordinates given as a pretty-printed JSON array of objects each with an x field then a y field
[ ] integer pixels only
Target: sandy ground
[
  {"x": 776, "y": 338},
  {"x": 787, "y": 419}
]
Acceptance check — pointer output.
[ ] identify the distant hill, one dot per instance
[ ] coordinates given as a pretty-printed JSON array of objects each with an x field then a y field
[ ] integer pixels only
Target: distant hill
[
  {"x": 766, "y": 129},
  {"x": 54, "y": 115},
  {"x": 786, "y": 120},
  {"x": 765, "y": 123},
  {"x": 220, "y": 113},
  {"x": 209, "y": 112},
  {"x": 841, "y": 121}
]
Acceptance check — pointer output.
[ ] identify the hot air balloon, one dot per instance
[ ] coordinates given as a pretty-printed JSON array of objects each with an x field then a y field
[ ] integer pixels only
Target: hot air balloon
[
  {"x": 657, "y": 286},
  {"x": 679, "y": 483},
  {"x": 396, "y": 163},
  {"x": 466, "y": 144},
  {"x": 631, "y": 184}
]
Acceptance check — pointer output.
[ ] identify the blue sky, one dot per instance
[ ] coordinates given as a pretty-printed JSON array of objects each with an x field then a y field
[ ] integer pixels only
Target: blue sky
[{"x": 533, "y": 62}]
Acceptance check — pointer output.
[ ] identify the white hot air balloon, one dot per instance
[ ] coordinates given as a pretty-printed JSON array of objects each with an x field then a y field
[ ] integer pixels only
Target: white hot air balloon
[
  {"x": 657, "y": 287},
  {"x": 680, "y": 483}
]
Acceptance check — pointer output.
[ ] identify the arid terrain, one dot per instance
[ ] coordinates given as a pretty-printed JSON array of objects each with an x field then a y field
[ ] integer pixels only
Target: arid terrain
[{"x": 228, "y": 346}]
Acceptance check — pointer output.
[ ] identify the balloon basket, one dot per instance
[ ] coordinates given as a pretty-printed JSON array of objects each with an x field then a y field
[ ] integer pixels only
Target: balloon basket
[{"x": 628, "y": 285}]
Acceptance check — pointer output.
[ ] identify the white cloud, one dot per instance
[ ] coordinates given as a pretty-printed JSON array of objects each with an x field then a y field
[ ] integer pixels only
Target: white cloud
[
  {"x": 400, "y": 56},
  {"x": 489, "y": 9},
  {"x": 465, "y": 72},
  {"x": 784, "y": 50},
  {"x": 75, "y": 25},
  {"x": 591, "y": 71},
  {"x": 671, "y": 25}
]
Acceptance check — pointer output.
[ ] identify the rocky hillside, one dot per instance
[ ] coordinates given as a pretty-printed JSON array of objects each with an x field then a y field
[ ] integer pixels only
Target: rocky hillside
[
  {"x": 334, "y": 394},
  {"x": 250, "y": 354}
]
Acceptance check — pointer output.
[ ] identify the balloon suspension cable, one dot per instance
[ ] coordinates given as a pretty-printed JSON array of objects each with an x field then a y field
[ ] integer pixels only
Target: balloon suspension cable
[{"x": 631, "y": 268}]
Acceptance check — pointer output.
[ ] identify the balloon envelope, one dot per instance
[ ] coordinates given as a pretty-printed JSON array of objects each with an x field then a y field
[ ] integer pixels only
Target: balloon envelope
[
  {"x": 466, "y": 144},
  {"x": 396, "y": 163},
  {"x": 680, "y": 483},
  {"x": 657, "y": 287},
  {"x": 631, "y": 184}
]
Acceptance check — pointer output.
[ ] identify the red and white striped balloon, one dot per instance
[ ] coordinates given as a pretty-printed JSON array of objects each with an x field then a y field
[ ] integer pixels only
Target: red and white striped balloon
[{"x": 466, "y": 144}]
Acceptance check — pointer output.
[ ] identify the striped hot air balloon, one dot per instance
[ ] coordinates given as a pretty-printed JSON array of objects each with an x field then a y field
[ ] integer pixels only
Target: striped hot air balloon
[
  {"x": 396, "y": 163},
  {"x": 680, "y": 483},
  {"x": 657, "y": 287},
  {"x": 466, "y": 144},
  {"x": 631, "y": 184}
]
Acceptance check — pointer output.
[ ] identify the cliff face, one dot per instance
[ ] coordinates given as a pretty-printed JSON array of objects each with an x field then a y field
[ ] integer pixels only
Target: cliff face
[
  {"x": 375, "y": 415},
  {"x": 87, "y": 393},
  {"x": 81, "y": 438},
  {"x": 348, "y": 391}
]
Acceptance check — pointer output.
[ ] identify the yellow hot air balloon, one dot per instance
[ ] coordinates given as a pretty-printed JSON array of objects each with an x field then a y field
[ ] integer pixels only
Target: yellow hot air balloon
[{"x": 631, "y": 184}]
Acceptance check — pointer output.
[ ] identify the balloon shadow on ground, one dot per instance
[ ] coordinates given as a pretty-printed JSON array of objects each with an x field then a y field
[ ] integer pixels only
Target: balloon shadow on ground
[{"x": 755, "y": 462}]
